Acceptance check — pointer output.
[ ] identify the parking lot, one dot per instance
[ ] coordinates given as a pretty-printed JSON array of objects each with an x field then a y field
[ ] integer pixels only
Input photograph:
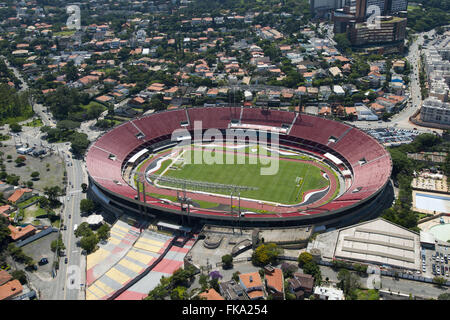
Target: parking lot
[
  {"x": 392, "y": 137},
  {"x": 39, "y": 249},
  {"x": 435, "y": 262},
  {"x": 50, "y": 168}
]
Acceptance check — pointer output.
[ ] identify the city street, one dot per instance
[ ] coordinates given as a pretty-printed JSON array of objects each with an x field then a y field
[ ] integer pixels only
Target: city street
[{"x": 71, "y": 214}]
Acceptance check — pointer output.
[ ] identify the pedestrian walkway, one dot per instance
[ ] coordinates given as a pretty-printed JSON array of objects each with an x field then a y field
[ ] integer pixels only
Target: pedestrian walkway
[
  {"x": 172, "y": 261},
  {"x": 139, "y": 257},
  {"x": 122, "y": 237}
]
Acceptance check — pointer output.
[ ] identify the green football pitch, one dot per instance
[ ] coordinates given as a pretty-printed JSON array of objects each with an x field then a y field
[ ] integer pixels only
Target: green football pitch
[{"x": 287, "y": 186}]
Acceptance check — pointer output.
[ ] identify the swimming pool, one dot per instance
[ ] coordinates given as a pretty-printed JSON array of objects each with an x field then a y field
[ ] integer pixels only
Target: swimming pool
[
  {"x": 439, "y": 203},
  {"x": 441, "y": 231}
]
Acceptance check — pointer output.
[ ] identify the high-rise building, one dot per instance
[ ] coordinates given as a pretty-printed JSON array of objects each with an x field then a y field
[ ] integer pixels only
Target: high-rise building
[
  {"x": 391, "y": 29},
  {"x": 435, "y": 110},
  {"x": 321, "y": 7},
  {"x": 365, "y": 8},
  {"x": 395, "y": 6}
]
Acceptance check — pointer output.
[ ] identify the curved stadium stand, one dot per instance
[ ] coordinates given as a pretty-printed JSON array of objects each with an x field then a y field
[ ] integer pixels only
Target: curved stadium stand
[{"x": 369, "y": 163}]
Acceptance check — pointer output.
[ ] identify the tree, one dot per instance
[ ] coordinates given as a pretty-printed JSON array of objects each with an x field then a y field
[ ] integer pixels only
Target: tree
[
  {"x": 79, "y": 142},
  {"x": 66, "y": 125},
  {"x": 227, "y": 261},
  {"x": 20, "y": 275},
  {"x": 439, "y": 281},
  {"x": 235, "y": 276},
  {"x": 43, "y": 202},
  {"x": 203, "y": 281},
  {"x": 83, "y": 230},
  {"x": 304, "y": 257},
  {"x": 444, "y": 296},
  {"x": 12, "y": 179},
  {"x": 89, "y": 243},
  {"x": 348, "y": 282},
  {"x": 288, "y": 269},
  {"x": 4, "y": 231},
  {"x": 15, "y": 127},
  {"x": 71, "y": 71},
  {"x": 103, "y": 232},
  {"x": 35, "y": 175},
  {"x": 20, "y": 161},
  {"x": 95, "y": 111},
  {"x": 342, "y": 41},
  {"x": 84, "y": 187},
  {"x": 52, "y": 193},
  {"x": 57, "y": 245},
  {"x": 313, "y": 269},
  {"x": 87, "y": 206},
  {"x": 265, "y": 254},
  {"x": 179, "y": 293}
]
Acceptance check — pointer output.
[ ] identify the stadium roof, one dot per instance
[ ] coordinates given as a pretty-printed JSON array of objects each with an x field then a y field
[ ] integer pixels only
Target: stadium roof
[
  {"x": 138, "y": 155},
  {"x": 173, "y": 226},
  {"x": 380, "y": 242}
]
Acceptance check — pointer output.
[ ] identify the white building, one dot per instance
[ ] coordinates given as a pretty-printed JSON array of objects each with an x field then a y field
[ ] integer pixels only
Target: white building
[
  {"x": 434, "y": 110},
  {"x": 328, "y": 293}
]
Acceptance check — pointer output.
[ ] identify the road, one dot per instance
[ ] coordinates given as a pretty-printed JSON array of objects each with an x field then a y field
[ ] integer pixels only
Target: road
[
  {"x": 38, "y": 109},
  {"x": 65, "y": 290},
  {"x": 401, "y": 119},
  {"x": 415, "y": 288}
]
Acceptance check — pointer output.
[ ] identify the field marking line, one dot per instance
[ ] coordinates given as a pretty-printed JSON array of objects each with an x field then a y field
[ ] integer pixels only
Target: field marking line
[{"x": 168, "y": 167}]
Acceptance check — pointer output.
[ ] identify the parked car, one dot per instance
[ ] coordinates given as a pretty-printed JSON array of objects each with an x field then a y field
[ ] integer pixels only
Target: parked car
[
  {"x": 43, "y": 261},
  {"x": 66, "y": 260}
]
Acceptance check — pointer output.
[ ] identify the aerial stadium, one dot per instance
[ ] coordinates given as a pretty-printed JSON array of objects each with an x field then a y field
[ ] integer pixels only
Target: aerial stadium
[{"x": 241, "y": 166}]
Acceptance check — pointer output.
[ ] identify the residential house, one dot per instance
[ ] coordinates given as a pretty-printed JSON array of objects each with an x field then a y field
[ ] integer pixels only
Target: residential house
[
  {"x": 252, "y": 284},
  {"x": 328, "y": 293},
  {"x": 338, "y": 90},
  {"x": 304, "y": 283},
  {"x": 10, "y": 289},
  {"x": 274, "y": 282},
  {"x": 19, "y": 233},
  {"x": 335, "y": 72},
  {"x": 325, "y": 111},
  {"x": 4, "y": 277},
  {"x": 230, "y": 290},
  {"x": 105, "y": 99},
  {"x": 211, "y": 294},
  {"x": 20, "y": 195}
]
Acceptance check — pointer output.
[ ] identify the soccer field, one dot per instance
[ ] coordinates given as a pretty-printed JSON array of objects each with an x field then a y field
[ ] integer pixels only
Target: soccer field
[{"x": 286, "y": 186}]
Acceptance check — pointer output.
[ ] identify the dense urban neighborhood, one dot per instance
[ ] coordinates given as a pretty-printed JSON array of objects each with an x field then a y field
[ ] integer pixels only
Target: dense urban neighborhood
[{"x": 96, "y": 203}]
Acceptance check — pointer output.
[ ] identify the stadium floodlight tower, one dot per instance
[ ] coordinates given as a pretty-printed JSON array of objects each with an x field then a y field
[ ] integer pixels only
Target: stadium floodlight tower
[
  {"x": 184, "y": 201},
  {"x": 238, "y": 214}
]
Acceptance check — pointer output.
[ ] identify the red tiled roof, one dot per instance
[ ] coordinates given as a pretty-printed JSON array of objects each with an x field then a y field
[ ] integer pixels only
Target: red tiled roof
[
  {"x": 18, "y": 194},
  {"x": 251, "y": 279},
  {"x": 275, "y": 279},
  {"x": 4, "y": 277},
  {"x": 18, "y": 232},
  {"x": 211, "y": 294},
  {"x": 10, "y": 289}
]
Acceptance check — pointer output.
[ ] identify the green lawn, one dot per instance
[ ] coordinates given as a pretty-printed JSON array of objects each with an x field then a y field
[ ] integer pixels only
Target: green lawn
[
  {"x": 283, "y": 187},
  {"x": 371, "y": 294},
  {"x": 26, "y": 202},
  {"x": 35, "y": 123},
  {"x": 202, "y": 204},
  {"x": 64, "y": 33}
]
